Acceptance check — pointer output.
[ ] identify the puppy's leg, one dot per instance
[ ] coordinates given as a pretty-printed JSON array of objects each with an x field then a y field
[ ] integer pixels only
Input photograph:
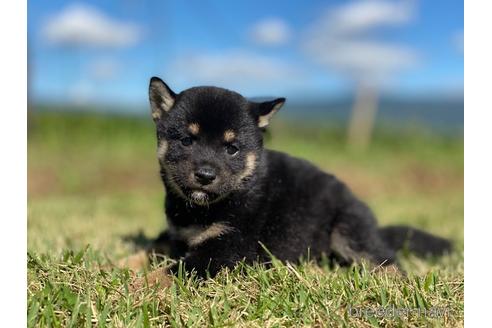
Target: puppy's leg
[
  {"x": 162, "y": 245},
  {"x": 210, "y": 256},
  {"x": 207, "y": 255},
  {"x": 355, "y": 237}
]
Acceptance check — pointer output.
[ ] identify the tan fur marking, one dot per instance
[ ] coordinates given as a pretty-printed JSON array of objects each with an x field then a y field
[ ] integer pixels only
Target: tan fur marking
[
  {"x": 187, "y": 233},
  {"x": 156, "y": 115},
  {"x": 249, "y": 167},
  {"x": 215, "y": 230},
  {"x": 161, "y": 100},
  {"x": 265, "y": 119},
  {"x": 162, "y": 149},
  {"x": 167, "y": 103},
  {"x": 194, "y": 128},
  {"x": 229, "y": 135}
]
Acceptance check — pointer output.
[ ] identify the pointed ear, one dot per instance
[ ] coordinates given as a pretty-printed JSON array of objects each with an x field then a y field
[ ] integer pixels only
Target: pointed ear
[
  {"x": 161, "y": 98},
  {"x": 264, "y": 111}
]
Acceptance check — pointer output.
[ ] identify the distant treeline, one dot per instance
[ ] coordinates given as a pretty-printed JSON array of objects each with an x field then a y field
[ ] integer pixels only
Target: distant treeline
[{"x": 439, "y": 115}]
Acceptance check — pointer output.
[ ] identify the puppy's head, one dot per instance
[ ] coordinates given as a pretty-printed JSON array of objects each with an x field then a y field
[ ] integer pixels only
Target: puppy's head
[{"x": 209, "y": 139}]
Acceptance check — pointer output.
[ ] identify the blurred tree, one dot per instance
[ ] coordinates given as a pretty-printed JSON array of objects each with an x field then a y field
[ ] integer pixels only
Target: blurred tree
[
  {"x": 345, "y": 40},
  {"x": 363, "y": 116}
]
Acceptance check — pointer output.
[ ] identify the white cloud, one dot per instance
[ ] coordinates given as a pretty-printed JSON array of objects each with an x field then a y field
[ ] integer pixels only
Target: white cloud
[
  {"x": 365, "y": 60},
  {"x": 234, "y": 69},
  {"x": 343, "y": 39},
  {"x": 82, "y": 25},
  {"x": 270, "y": 32},
  {"x": 362, "y": 15}
]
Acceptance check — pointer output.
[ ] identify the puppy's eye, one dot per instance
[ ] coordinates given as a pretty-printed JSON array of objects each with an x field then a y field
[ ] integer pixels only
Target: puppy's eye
[
  {"x": 187, "y": 141},
  {"x": 232, "y": 150}
]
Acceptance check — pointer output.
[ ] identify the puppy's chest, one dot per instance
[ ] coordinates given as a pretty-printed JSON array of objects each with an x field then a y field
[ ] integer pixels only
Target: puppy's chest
[{"x": 196, "y": 234}]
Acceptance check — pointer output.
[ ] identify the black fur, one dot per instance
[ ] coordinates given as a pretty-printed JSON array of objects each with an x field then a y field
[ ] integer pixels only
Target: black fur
[{"x": 221, "y": 205}]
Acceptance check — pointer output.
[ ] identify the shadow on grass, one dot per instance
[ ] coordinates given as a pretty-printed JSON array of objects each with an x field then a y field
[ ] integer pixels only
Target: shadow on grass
[{"x": 139, "y": 240}]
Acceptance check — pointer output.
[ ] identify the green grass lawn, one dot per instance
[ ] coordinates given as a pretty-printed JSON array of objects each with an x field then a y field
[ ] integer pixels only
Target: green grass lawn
[{"x": 93, "y": 187}]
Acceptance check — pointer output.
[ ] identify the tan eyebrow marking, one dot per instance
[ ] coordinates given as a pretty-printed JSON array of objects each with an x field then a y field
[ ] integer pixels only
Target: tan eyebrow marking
[
  {"x": 229, "y": 135},
  {"x": 194, "y": 128}
]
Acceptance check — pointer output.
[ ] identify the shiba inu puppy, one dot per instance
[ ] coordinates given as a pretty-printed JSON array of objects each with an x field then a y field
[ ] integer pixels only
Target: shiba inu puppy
[{"x": 228, "y": 198}]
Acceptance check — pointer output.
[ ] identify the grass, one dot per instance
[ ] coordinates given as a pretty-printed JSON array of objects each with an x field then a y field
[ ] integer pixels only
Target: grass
[{"x": 93, "y": 186}]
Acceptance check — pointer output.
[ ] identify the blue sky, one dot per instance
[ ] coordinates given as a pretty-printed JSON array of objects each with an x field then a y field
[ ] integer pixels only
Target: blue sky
[{"x": 106, "y": 51}]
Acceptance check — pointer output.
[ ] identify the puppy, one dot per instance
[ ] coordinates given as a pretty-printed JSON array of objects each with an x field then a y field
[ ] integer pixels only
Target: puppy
[{"x": 229, "y": 199}]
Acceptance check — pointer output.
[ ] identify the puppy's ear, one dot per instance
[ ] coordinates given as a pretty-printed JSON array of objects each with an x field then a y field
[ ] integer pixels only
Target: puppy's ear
[
  {"x": 161, "y": 98},
  {"x": 264, "y": 111}
]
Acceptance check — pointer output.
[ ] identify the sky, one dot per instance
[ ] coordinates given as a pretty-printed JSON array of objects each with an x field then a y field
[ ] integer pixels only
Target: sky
[{"x": 106, "y": 51}]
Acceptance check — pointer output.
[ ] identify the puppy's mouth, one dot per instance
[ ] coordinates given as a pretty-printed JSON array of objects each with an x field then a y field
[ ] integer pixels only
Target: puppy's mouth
[
  {"x": 195, "y": 193},
  {"x": 203, "y": 197},
  {"x": 199, "y": 197}
]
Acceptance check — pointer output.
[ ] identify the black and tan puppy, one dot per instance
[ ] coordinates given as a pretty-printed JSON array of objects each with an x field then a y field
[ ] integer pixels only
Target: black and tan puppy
[{"x": 227, "y": 195}]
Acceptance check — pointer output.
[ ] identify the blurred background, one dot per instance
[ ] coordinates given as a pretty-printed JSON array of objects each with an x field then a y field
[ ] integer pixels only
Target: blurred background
[{"x": 374, "y": 90}]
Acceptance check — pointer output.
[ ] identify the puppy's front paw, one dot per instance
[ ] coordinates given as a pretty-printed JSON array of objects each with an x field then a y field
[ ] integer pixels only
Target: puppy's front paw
[{"x": 159, "y": 278}]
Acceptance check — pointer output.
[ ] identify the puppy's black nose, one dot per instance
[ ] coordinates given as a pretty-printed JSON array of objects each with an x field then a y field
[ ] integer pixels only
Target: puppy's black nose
[{"x": 205, "y": 175}]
